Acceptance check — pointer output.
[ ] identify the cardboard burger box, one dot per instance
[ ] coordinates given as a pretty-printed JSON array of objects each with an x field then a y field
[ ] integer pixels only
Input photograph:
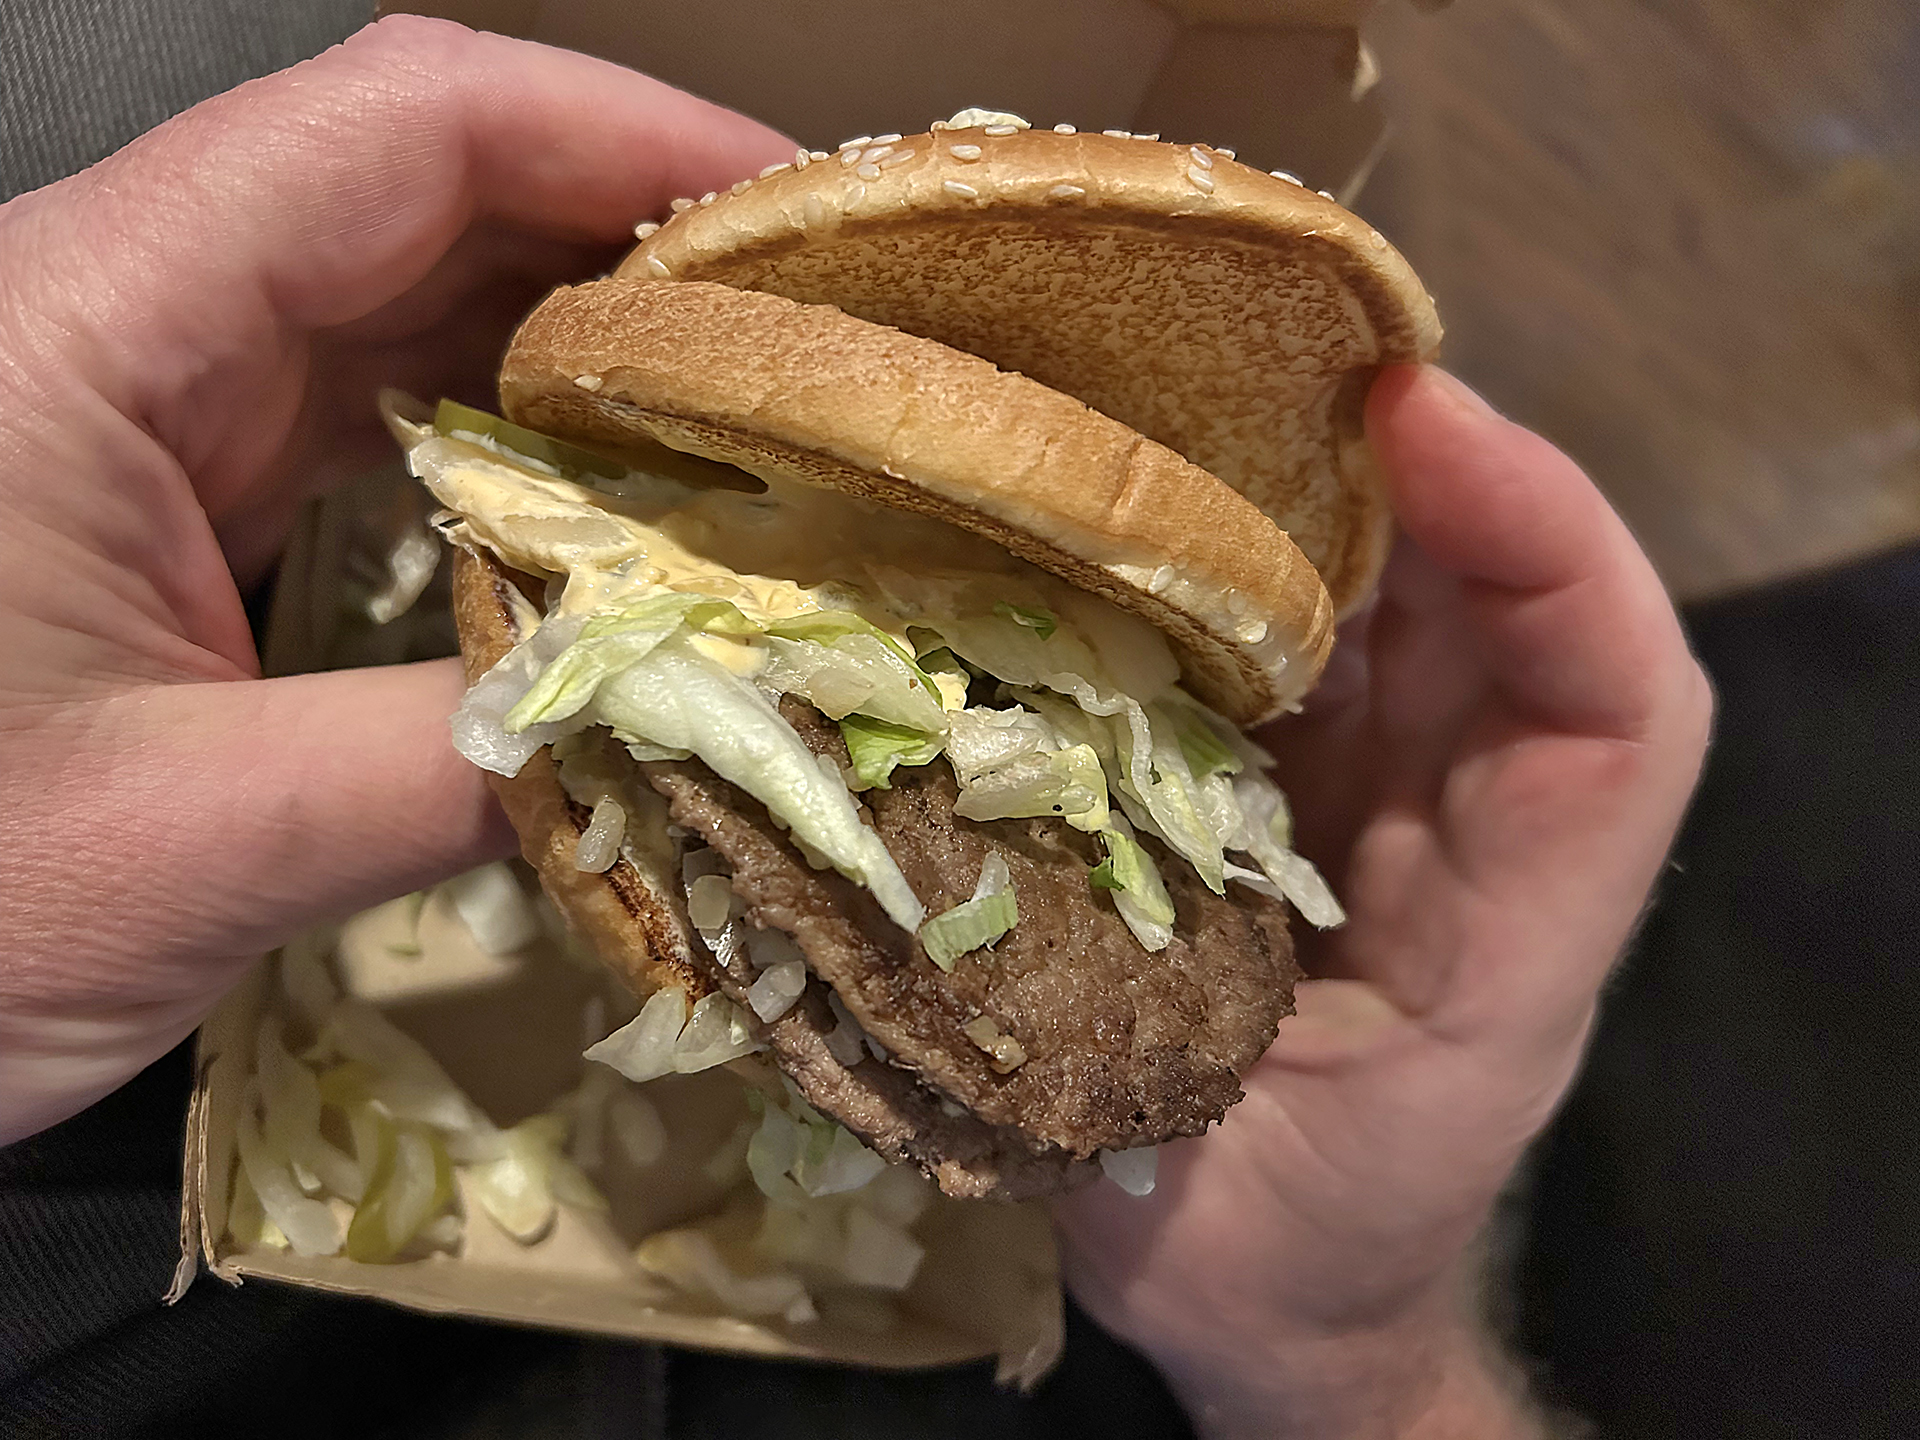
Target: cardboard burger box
[{"x": 641, "y": 1220}]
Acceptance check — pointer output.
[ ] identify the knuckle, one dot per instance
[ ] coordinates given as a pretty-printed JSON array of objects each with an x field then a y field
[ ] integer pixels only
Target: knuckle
[{"x": 420, "y": 43}]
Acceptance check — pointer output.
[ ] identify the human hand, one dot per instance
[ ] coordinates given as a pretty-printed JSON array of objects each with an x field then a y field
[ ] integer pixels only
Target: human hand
[
  {"x": 1491, "y": 775},
  {"x": 192, "y": 338}
]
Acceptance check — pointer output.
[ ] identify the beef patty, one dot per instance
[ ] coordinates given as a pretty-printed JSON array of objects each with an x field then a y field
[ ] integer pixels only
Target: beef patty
[{"x": 1123, "y": 1047}]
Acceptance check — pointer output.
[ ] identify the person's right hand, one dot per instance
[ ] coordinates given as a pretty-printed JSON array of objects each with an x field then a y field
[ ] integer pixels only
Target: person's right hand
[{"x": 1491, "y": 774}]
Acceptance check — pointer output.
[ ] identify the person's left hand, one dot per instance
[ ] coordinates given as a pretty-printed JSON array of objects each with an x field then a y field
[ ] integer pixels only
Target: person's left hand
[{"x": 192, "y": 336}]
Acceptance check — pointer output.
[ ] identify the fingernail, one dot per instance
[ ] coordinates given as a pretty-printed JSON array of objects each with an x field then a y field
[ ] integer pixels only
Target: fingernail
[{"x": 1463, "y": 395}]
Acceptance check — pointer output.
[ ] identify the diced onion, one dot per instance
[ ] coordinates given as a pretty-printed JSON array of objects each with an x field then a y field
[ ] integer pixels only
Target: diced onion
[
  {"x": 1132, "y": 1170},
  {"x": 493, "y": 907},
  {"x": 642, "y": 1049},
  {"x": 310, "y": 1227},
  {"x": 709, "y": 901},
  {"x": 774, "y": 993},
  {"x": 599, "y": 843}
]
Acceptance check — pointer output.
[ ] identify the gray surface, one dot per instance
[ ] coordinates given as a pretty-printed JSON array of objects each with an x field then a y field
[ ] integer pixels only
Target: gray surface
[{"x": 80, "y": 78}]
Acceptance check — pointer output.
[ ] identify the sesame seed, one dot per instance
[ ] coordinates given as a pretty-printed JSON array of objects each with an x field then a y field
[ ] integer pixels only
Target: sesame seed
[
  {"x": 1118, "y": 134},
  {"x": 964, "y": 152},
  {"x": 740, "y": 187},
  {"x": 886, "y": 139},
  {"x": 1066, "y": 192},
  {"x": 1201, "y": 158},
  {"x": 859, "y": 142},
  {"x": 657, "y": 267},
  {"x": 867, "y": 172},
  {"x": 816, "y": 155},
  {"x": 1237, "y": 602},
  {"x": 1224, "y": 150},
  {"x": 1161, "y": 580},
  {"x": 878, "y": 152},
  {"x": 644, "y": 229},
  {"x": 850, "y": 158},
  {"x": 1154, "y": 136},
  {"x": 899, "y": 157},
  {"x": 709, "y": 197},
  {"x": 1202, "y": 181},
  {"x": 1327, "y": 195},
  {"x": 964, "y": 191},
  {"x": 855, "y": 194},
  {"x": 1064, "y": 129},
  {"x": 681, "y": 204},
  {"x": 1251, "y": 632},
  {"x": 816, "y": 211},
  {"x": 1002, "y": 129},
  {"x": 801, "y": 158},
  {"x": 588, "y": 383},
  {"x": 773, "y": 170},
  {"x": 1283, "y": 175}
]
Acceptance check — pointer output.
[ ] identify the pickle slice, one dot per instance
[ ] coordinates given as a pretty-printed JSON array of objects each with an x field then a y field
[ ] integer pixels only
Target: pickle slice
[{"x": 451, "y": 418}]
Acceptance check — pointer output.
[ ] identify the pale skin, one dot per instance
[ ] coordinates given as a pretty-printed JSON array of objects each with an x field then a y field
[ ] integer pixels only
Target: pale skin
[{"x": 191, "y": 337}]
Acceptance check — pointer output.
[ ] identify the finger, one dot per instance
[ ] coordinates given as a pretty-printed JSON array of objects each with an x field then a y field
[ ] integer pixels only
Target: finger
[
  {"x": 313, "y": 197},
  {"x": 1569, "y": 619},
  {"x": 243, "y": 812},
  {"x": 177, "y": 833}
]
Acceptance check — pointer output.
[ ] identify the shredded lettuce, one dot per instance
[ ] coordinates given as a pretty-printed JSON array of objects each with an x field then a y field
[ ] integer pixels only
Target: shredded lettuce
[
  {"x": 980, "y": 739},
  {"x": 479, "y": 726},
  {"x": 854, "y": 673},
  {"x": 308, "y": 1224},
  {"x": 1139, "y": 894},
  {"x": 971, "y": 924},
  {"x": 689, "y": 1260},
  {"x": 676, "y": 696},
  {"x": 797, "y": 1154},
  {"x": 409, "y": 1181},
  {"x": 1036, "y": 618},
  {"x": 828, "y": 627},
  {"x": 1205, "y": 752},
  {"x": 665, "y": 1038},
  {"x": 607, "y": 644},
  {"x": 877, "y": 747},
  {"x": 291, "y": 1104},
  {"x": 520, "y": 1190},
  {"x": 642, "y": 1049}
]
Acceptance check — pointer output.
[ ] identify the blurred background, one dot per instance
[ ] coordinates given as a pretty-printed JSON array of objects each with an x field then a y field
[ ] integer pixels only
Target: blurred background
[{"x": 1679, "y": 237}]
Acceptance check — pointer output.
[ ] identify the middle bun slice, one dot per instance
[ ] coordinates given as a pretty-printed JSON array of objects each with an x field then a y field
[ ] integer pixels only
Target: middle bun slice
[{"x": 914, "y": 703}]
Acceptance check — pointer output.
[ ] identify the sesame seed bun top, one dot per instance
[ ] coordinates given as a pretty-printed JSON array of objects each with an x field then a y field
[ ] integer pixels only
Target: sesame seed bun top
[
  {"x": 1226, "y": 313},
  {"x": 805, "y": 392}
]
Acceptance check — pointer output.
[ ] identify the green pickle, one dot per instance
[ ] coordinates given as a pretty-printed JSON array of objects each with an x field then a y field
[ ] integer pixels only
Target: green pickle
[
  {"x": 451, "y": 417},
  {"x": 401, "y": 1195}
]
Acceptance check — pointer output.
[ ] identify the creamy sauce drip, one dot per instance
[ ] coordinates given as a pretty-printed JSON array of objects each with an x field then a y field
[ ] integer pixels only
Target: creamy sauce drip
[{"x": 788, "y": 550}]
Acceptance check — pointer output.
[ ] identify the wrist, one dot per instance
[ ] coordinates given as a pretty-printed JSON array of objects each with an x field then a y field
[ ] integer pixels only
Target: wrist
[{"x": 1431, "y": 1377}]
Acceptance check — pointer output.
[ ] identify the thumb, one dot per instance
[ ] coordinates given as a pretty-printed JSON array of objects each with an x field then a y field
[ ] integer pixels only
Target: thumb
[
  {"x": 265, "y": 806},
  {"x": 160, "y": 840}
]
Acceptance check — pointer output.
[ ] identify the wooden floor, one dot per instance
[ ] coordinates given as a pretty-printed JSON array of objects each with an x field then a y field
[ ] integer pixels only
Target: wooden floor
[{"x": 1682, "y": 237}]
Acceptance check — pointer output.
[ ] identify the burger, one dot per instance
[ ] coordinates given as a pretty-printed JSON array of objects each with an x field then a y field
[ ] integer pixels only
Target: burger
[{"x": 865, "y": 596}]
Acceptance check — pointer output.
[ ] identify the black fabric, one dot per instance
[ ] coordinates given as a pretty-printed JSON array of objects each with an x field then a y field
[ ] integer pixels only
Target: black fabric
[
  {"x": 80, "y": 78},
  {"x": 1723, "y": 1232}
]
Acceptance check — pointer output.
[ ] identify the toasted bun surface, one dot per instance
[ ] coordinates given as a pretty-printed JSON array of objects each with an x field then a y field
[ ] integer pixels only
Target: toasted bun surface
[
  {"x": 630, "y": 915},
  {"x": 1233, "y": 316},
  {"x": 807, "y": 393}
]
